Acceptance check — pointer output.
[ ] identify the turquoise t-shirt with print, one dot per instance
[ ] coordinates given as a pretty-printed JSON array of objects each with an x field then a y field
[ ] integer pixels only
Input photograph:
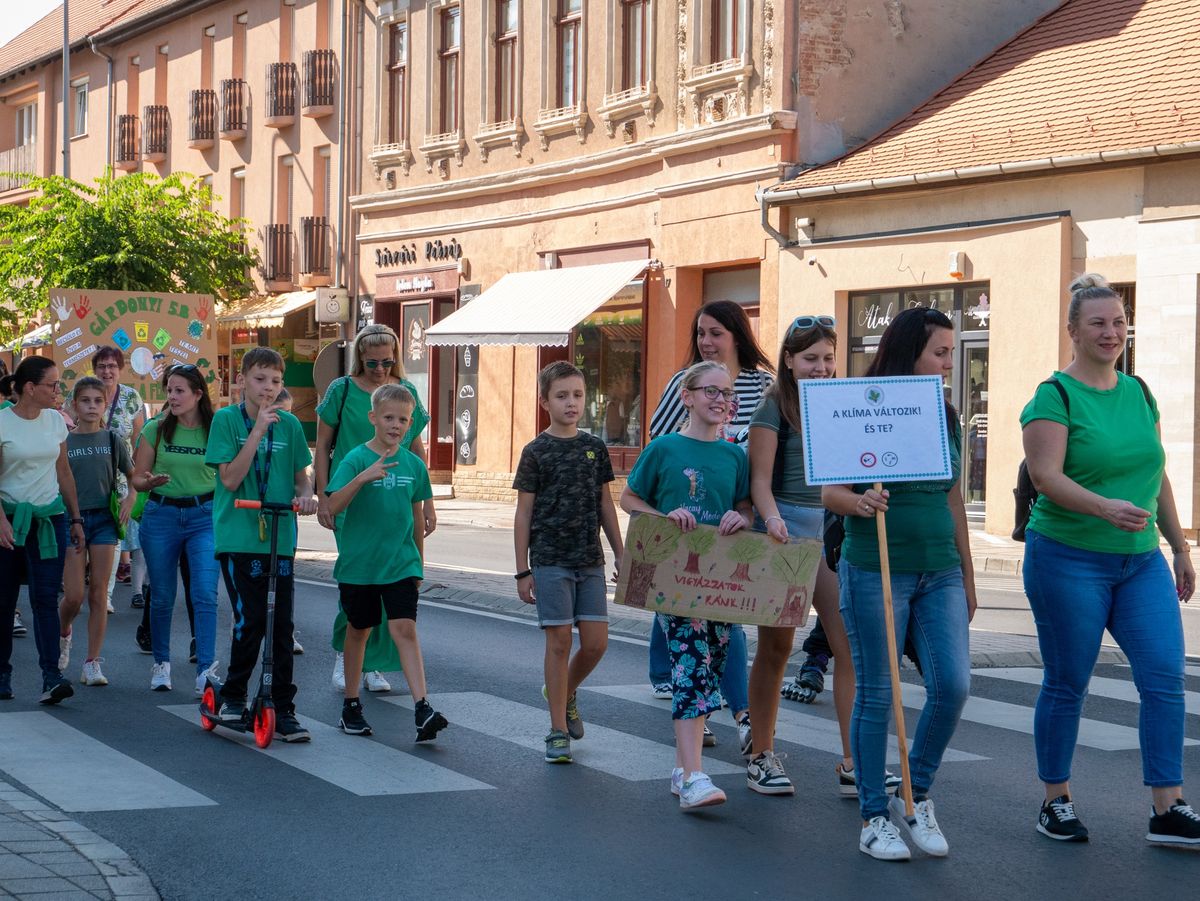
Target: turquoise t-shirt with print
[
  {"x": 706, "y": 478},
  {"x": 375, "y": 533},
  {"x": 1113, "y": 449},
  {"x": 237, "y": 531}
]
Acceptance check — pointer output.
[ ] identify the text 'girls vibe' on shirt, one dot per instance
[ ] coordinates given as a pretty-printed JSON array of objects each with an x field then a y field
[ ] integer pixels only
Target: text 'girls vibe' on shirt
[
  {"x": 706, "y": 478},
  {"x": 92, "y": 465}
]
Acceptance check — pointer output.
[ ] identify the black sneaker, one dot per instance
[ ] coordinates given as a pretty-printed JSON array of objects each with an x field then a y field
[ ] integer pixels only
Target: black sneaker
[
  {"x": 809, "y": 682},
  {"x": 429, "y": 721},
  {"x": 192, "y": 652},
  {"x": 352, "y": 721},
  {"x": 1180, "y": 825},
  {"x": 232, "y": 712},
  {"x": 137, "y": 602},
  {"x": 288, "y": 728},
  {"x": 1059, "y": 822},
  {"x": 6, "y": 687},
  {"x": 142, "y": 637},
  {"x": 19, "y": 627},
  {"x": 710, "y": 739},
  {"x": 56, "y": 690}
]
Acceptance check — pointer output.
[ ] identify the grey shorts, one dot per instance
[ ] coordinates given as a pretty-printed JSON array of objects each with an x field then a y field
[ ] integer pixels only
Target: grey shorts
[{"x": 566, "y": 595}]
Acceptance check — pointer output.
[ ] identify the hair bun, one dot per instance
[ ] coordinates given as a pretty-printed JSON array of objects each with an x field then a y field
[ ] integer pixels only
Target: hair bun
[{"x": 1087, "y": 281}]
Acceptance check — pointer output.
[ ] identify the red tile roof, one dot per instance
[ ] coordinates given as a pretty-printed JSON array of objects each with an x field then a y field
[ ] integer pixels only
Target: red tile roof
[{"x": 1093, "y": 76}]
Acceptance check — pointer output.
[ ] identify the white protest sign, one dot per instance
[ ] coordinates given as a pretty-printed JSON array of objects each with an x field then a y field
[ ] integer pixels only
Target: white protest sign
[{"x": 874, "y": 430}]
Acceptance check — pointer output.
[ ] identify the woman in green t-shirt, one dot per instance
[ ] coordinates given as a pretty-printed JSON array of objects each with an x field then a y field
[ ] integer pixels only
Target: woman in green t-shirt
[
  {"x": 933, "y": 591},
  {"x": 1092, "y": 562},
  {"x": 342, "y": 425}
]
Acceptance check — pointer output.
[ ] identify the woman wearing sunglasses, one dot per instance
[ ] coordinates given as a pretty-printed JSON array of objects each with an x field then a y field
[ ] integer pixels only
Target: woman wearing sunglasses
[
  {"x": 721, "y": 333},
  {"x": 342, "y": 425}
]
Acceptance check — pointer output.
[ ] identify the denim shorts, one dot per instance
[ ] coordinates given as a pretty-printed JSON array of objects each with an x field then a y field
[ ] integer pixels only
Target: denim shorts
[
  {"x": 99, "y": 527},
  {"x": 801, "y": 522},
  {"x": 566, "y": 595}
]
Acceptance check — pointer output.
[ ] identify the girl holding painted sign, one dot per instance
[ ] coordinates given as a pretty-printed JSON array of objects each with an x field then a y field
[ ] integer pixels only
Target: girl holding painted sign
[
  {"x": 691, "y": 477},
  {"x": 933, "y": 587}
]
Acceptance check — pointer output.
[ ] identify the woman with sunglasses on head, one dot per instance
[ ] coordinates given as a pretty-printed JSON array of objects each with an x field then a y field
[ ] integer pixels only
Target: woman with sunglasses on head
[
  {"x": 933, "y": 595},
  {"x": 37, "y": 493},
  {"x": 343, "y": 424},
  {"x": 721, "y": 333}
]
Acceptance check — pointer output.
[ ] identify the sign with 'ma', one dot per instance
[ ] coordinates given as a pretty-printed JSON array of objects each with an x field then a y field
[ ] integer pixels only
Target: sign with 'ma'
[{"x": 874, "y": 430}]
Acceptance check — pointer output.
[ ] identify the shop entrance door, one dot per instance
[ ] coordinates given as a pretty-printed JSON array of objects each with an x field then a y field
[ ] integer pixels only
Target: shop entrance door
[{"x": 973, "y": 404}]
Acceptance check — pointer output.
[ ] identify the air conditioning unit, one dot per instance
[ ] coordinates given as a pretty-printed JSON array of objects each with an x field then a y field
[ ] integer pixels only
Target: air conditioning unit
[{"x": 333, "y": 305}]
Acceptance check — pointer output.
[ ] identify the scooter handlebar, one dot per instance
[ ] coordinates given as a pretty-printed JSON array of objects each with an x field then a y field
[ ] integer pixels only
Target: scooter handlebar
[{"x": 244, "y": 504}]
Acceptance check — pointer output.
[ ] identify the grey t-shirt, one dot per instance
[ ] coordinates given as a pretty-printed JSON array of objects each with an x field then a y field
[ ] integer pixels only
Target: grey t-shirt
[
  {"x": 794, "y": 489},
  {"x": 91, "y": 461}
]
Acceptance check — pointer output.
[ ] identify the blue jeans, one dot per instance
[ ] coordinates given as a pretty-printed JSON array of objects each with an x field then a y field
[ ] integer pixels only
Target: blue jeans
[
  {"x": 1077, "y": 594},
  {"x": 931, "y": 610},
  {"x": 735, "y": 688},
  {"x": 166, "y": 533},
  {"x": 44, "y": 578}
]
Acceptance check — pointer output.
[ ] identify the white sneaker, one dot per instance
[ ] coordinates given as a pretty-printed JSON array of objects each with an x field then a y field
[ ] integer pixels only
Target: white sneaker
[
  {"x": 160, "y": 677},
  {"x": 297, "y": 648},
  {"x": 111, "y": 609},
  {"x": 698, "y": 791},
  {"x": 922, "y": 827},
  {"x": 64, "y": 652},
  {"x": 91, "y": 673},
  {"x": 339, "y": 673},
  {"x": 374, "y": 681},
  {"x": 745, "y": 738},
  {"x": 880, "y": 840},
  {"x": 203, "y": 678},
  {"x": 676, "y": 780}
]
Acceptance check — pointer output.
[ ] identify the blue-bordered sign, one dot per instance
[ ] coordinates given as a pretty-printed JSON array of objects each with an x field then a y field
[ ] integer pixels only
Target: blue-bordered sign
[{"x": 874, "y": 430}]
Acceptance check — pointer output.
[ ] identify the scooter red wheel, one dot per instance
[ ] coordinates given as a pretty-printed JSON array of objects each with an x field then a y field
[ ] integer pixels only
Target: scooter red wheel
[
  {"x": 208, "y": 704},
  {"x": 264, "y": 726}
]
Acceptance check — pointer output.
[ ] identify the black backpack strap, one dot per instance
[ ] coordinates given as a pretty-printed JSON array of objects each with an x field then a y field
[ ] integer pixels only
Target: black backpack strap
[
  {"x": 780, "y": 453},
  {"x": 345, "y": 380},
  {"x": 1145, "y": 390},
  {"x": 112, "y": 454},
  {"x": 1062, "y": 392}
]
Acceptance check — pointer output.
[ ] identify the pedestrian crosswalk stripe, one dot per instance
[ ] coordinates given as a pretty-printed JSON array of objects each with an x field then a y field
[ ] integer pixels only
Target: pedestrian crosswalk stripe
[
  {"x": 77, "y": 773},
  {"x": 1018, "y": 718},
  {"x": 1117, "y": 689},
  {"x": 805, "y": 729},
  {"x": 1193, "y": 670},
  {"x": 610, "y": 751},
  {"x": 359, "y": 765}
]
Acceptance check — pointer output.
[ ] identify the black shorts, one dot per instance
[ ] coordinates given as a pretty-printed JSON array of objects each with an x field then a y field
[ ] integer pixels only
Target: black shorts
[{"x": 364, "y": 605}]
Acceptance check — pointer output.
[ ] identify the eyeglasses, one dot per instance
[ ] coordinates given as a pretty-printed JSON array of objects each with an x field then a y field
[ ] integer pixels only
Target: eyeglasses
[
  {"x": 804, "y": 323},
  {"x": 375, "y": 364},
  {"x": 712, "y": 392}
]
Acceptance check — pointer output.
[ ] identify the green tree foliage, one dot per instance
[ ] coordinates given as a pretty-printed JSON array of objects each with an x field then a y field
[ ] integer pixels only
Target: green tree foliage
[{"x": 135, "y": 232}]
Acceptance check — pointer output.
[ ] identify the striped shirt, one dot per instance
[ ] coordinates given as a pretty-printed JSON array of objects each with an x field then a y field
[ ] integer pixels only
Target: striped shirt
[{"x": 749, "y": 387}]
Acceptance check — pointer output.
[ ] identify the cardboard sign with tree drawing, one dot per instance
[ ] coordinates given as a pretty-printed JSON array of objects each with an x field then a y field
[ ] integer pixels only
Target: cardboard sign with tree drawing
[{"x": 746, "y": 577}]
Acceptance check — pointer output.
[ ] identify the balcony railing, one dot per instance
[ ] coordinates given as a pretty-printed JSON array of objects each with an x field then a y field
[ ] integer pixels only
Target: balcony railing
[
  {"x": 281, "y": 95},
  {"x": 320, "y": 67},
  {"x": 277, "y": 259},
  {"x": 233, "y": 109},
  {"x": 157, "y": 132},
  {"x": 127, "y": 142},
  {"x": 314, "y": 251},
  {"x": 202, "y": 119},
  {"x": 18, "y": 160}
]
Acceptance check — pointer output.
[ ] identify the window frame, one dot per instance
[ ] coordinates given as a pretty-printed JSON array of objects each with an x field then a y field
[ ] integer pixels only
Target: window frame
[
  {"x": 79, "y": 89},
  {"x": 507, "y": 49},
  {"x": 25, "y": 125},
  {"x": 631, "y": 11},
  {"x": 449, "y": 71},
  {"x": 568, "y": 23},
  {"x": 397, "y": 79},
  {"x": 732, "y": 9}
]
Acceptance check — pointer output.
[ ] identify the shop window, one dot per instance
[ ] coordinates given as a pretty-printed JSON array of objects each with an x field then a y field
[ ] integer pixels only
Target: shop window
[
  {"x": 449, "y": 59},
  {"x": 607, "y": 346},
  {"x": 507, "y": 83},
  {"x": 568, "y": 26},
  {"x": 397, "y": 81}
]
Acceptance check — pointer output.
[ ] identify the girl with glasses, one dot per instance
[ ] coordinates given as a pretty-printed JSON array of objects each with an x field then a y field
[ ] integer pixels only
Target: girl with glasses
[{"x": 342, "y": 425}]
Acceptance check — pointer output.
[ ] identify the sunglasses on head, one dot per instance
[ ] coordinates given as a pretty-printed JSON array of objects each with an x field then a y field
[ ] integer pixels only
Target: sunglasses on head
[
  {"x": 182, "y": 367},
  {"x": 375, "y": 364},
  {"x": 804, "y": 323}
]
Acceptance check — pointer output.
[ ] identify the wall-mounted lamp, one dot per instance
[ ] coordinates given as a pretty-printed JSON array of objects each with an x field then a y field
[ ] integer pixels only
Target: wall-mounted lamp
[{"x": 958, "y": 264}]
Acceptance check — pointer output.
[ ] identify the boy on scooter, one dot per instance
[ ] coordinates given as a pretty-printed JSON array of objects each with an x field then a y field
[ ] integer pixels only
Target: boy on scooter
[{"x": 260, "y": 453}]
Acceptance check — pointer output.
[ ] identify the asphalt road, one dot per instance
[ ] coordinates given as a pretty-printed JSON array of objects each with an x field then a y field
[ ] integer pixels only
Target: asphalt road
[{"x": 479, "y": 815}]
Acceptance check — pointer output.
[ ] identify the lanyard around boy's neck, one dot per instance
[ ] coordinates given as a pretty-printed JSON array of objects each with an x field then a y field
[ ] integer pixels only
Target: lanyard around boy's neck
[{"x": 263, "y": 476}]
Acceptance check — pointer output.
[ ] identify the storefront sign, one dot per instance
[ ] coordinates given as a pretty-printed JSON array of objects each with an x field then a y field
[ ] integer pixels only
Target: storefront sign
[
  {"x": 416, "y": 284},
  {"x": 152, "y": 330},
  {"x": 407, "y": 254},
  {"x": 364, "y": 315},
  {"x": 874, "y": 430},
  {"x": 746, "y": 577},
  {"x": 466, "y": 400}
]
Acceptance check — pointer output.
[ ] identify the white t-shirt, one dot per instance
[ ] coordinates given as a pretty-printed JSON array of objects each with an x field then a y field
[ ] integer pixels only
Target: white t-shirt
[{"x": 29, "y": 450}]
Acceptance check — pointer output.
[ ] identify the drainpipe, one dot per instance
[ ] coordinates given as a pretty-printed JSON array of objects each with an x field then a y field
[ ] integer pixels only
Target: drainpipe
[
  {"x": 108, "y": 145},
  {"x": 356, "y": 119},
  {"x": 339, "y": 263},
  {"x": 66, "y": 93}
]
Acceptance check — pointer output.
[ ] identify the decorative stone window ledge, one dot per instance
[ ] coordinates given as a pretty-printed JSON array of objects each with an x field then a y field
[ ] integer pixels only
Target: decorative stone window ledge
[
  {"x": 437, "y": 149},
  {"x": 617, "y": 107},
  {"x": 719, "y": 91},
  {"x": 497, "y": 134},
  {"x": 384, "y": 156},
  {"x": 559, "y": 121}
]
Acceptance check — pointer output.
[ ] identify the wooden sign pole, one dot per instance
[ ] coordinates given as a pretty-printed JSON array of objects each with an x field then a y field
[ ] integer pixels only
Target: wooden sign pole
[{"x": 885, "y": 573}]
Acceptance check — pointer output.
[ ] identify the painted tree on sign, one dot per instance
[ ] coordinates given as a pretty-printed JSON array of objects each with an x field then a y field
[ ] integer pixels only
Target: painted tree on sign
[
  {"x": 743, "y": 552},
  {"x": 137, "y": 232},
  {"x": 698, "y": 542}
]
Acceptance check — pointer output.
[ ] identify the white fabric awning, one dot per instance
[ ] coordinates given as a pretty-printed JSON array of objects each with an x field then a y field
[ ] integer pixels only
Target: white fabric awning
[
  {"x": 38, "y": 337},
  {"x": 268, "y": 312},
  {"x": 539, "y": 307}
]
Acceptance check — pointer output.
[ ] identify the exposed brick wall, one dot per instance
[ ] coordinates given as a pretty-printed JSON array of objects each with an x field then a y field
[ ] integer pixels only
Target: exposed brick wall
[{"x": 822, "y": 43}]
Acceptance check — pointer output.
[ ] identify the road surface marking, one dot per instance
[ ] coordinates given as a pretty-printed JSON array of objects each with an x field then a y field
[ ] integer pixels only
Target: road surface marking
[
  {"x": 359, "y": 765},
  {"x": 1117, "y": 689},
  {"x": 805, "y": 729},
  {"x": 76, "y": 772},
  {"x": 619, "y": 754}
]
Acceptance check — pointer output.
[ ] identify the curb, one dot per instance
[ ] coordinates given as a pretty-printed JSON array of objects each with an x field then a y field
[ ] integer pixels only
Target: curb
[{"x": 61, "y": 856}]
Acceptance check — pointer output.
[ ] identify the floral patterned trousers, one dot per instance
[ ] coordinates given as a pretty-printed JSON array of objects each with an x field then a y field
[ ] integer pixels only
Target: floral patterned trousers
[{"x": 697, "y": 648}]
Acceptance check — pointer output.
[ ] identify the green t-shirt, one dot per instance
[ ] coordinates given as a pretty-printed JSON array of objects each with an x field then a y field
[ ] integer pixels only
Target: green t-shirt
[
  {"x": 374, "y": 534},
  {"x": 356, "y": 428},
  {"x": 5, "y": 404},
  {"x": 707, "y": 478},
  {"x": 920, "y": 526},
  {"x": 182, "y": 458},
  {"x": 794, "y": 489},
  {"x": 1113, "y": 449},
  {"x": 237, "y": 530}
]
